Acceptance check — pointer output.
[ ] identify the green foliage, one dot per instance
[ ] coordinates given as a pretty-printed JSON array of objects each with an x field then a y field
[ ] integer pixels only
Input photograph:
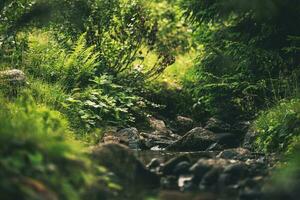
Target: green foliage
[
  {"x": 53, "y": 63},
  {"x": 278, "y": 128},
  {"x": 36, "y": 158},
  {"x": 245, "y": 65},
  {"x": 105, "y": 103},
  {"x": 284, "y": 182},
  {"x": 51, "y": 95},
  {"x": 173, "y": 34}
]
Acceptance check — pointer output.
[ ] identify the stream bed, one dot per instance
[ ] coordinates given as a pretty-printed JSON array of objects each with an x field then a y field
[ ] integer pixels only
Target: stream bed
[{"x": 208, "y": 175}]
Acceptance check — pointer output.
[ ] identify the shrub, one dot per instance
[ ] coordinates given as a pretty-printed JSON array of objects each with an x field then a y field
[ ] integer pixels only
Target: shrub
[
  {"x": 104, "y": 103},
  {"x": 279, "y": 128}
]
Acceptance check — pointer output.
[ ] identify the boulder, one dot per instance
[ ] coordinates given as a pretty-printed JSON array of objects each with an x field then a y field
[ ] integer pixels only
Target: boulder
[
  {"x": 237, "y": 153},
  {"x": 233, "y": 173},
  {"x": 200, "y": 139},
  {"x": 154, "y": 164},
  {"x": 159, "y": 126},
  {"x": 169, "y": 167},
  {"x": 184, "y": 124},
  {"x": 128, "y": 136},
  {"x": 182, "y": 168},
  {"x": 217, "y": 126},
  {"x": 203, "y": 166},
  {"x": 210, "y": 178},
  {"x": 13, "y": 77},
  {"x": 120, "y": 160},
  {"x": 155, "y": 139}
]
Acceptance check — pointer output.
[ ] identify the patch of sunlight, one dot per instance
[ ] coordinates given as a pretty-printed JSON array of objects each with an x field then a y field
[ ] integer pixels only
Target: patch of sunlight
[{"x": 175, "y": 73}]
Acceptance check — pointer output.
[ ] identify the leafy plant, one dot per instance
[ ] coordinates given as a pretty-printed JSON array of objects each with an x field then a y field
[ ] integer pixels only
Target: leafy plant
[
  {"x": 278, "y": 128},
  {"x": 53, "y": 63},
  {"x": 104, "y": 103}
]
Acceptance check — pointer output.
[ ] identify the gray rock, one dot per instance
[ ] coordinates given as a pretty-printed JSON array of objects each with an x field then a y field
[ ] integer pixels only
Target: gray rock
[
  {"x": 200, "y": 139},
  {"x": 154, "y": 139},
  {"x": 169, "y": 167},
  {"x": 202, "y": 166},
  {"x": 237, "y": 153},
  {"x": 184, "y": 124},
  {"x": 153, "y": 164},
  {"x": 121, "y": 161},
  {"x": 182, "y": 168},
  {"x": 159, "y": 126},
  {"x": 129, "y": 137},
  {"x": 215, "y": 147},
  {"x": 210, "y": 178},
  {"x": 234, "y": 173},
  {"x": 12, "y": 77}
]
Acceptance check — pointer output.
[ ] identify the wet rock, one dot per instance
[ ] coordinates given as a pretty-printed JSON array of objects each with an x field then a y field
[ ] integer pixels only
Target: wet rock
[
  {"x": 237, "y": 153},
  {"x": 233, "y": 173},
  {"x": 217, "y": 126},
  {"x": 169, "y": 167},
  {"x": 210, "y": 178},
  {"x": 184, "y": 124},
  {"x": 203, "y": 166},
  {"x": 199, "y": 170},
  {"x": 154, "y": 164},
  {"x": 12, "y": 77},
  {"x": 154, "y": 139},
  {"x": 159, "y": 126},
  {"x": 215, "y": 147},
  {"x": 237, "y": 169},
  {"x": 182, "y": 168},
  {"x": 200, "y": 139},
  {"x": 121, "y": 161},
  {"x": 188, "y": 187}
]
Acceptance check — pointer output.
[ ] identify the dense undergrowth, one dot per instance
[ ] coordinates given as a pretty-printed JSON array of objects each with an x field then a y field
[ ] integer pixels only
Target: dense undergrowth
[
  {"x": 278, "y": 127},
  {"x": 40, "y": 159}
]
